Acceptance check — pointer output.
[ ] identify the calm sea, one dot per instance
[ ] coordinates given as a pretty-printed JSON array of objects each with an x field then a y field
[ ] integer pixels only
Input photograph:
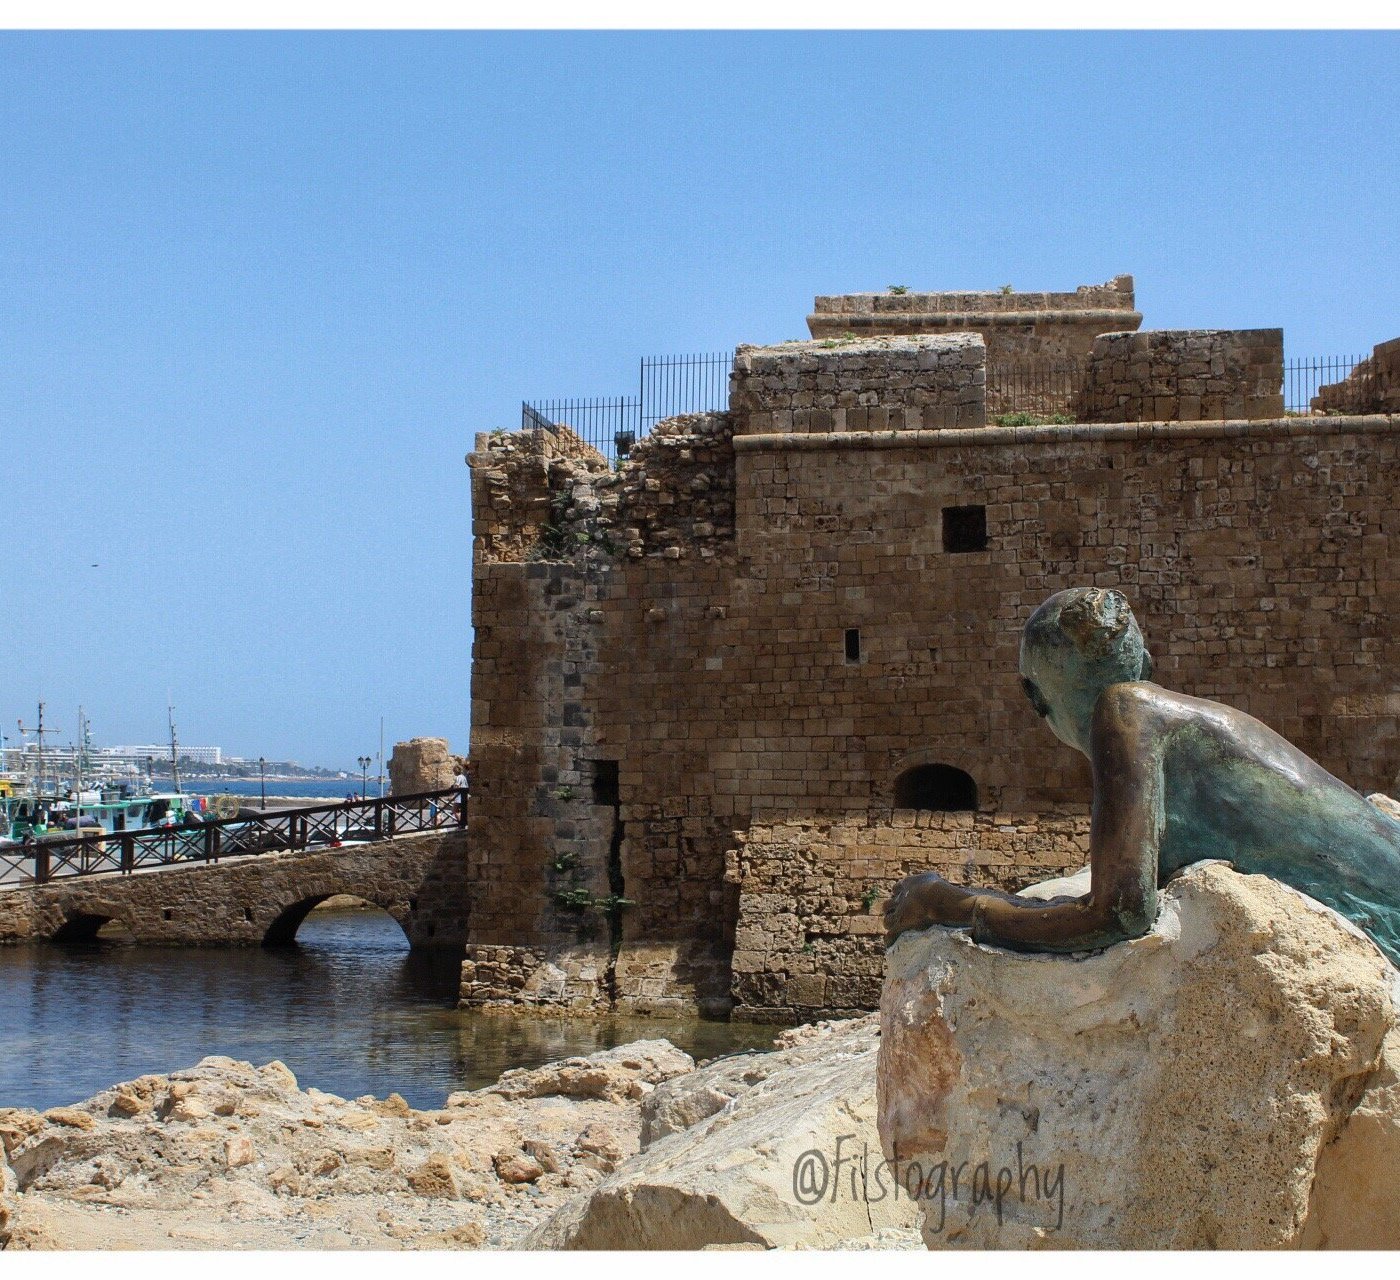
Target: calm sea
[
  {"x": 330, "y": 788},
  {"x": 347, "y": 1008}
]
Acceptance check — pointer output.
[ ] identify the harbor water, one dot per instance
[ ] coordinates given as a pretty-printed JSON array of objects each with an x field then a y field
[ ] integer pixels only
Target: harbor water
[{"x": 347, "y": 1008}]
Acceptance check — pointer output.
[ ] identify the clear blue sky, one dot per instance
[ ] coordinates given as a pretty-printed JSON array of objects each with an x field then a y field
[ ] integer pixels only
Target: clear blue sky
[{"x": 257, "y": 292}]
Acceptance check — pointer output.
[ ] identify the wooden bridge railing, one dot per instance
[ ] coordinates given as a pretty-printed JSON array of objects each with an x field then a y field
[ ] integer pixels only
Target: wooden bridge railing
[{"x": 38, "y": 861}]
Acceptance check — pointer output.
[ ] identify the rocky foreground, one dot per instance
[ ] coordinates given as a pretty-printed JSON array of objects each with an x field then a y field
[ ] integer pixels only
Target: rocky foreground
[{"x": 231, "y": 1156}]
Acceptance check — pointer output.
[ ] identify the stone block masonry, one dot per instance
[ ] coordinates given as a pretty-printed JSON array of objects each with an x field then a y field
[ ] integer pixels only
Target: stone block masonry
[
  {"x": 1372, "y": 387},
  {"x": 891, "y": 384},
  {"x": 711, "y": 688},
  {"x": 1184, "y": 375},
  {"x": 809, "y": 941},
  {"x": 420, "y": 880},
  {"x": 737, "y": 632},
  {"x": 1015, "y": 326}
]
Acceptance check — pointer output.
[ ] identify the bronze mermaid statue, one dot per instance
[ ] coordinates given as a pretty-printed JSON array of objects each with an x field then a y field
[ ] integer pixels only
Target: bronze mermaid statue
[{"x": 1176, "y": 780}]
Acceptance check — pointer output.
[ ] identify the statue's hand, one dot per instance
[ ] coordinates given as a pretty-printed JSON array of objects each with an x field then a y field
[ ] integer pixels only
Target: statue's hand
[{"x": 925, "y": 899}]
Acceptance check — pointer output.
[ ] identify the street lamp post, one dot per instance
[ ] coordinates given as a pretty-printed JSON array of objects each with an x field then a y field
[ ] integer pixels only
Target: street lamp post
[
  {"x": 364, "y": 763},
  {"x": 262, "y": 778}
]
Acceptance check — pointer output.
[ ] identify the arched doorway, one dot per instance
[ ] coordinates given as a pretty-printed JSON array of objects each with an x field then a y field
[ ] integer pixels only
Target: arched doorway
[{"x": 939, "y": 787}]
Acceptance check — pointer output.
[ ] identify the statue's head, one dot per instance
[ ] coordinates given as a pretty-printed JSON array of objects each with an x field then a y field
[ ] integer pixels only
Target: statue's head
[{"x": 1077, "y": 644}]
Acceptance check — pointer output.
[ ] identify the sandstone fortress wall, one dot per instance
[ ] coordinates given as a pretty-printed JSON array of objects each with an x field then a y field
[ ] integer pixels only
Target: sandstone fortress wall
[
  {"x": 726, "y": 695},
  {"x": 1013, "y": 325}
]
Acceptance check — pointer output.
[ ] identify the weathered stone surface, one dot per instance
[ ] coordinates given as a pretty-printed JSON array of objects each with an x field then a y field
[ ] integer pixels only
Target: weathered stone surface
[
  {"x": 9, "y": 1193},
  {"x": 729, "y": 1179},
  {"x": 420, "y": 880},
  {"x": 686, "y": 1100},
  {"x": 1015, "y": 326},
  {"x": 422, "y": 764},
  {"x": 1183, "y": 375},
  {"x": 919, "y": 383},
  {"x": 1177, "y": 1091},
  {"x": 615, "y": 1075},
  {"x": 227, "y": 1154},
  {"x": 1355, "y": 1203}
]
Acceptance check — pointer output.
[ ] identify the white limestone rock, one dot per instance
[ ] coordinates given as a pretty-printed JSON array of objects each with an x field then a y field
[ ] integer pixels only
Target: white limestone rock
[
  {"x": 1179, "y": 1090},
  {"x": 746, "y": 1174}
]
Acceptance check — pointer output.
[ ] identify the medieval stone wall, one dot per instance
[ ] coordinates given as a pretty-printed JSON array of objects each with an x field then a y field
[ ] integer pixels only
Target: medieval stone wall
[
  {"x": 890, "y": 384},
  {"x": 589, "y": 718},
  {"x": 1183, "y": 375},
  {"x": 1015, "y": 326},
  {"x": 423, "y": 764},
  {"x": 810, "y": 942},
  {"x": 1372, "y": 387},
  {"x": 741, "y": 630}
]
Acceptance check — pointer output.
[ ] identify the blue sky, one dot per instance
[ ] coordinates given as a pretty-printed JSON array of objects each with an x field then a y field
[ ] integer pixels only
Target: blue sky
[{"x": 257, "y": 292}]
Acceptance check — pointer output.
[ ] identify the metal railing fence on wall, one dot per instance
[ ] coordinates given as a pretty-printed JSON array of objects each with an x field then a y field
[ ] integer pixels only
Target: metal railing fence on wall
[
  {"x": 255, "y": 831},
  {"x": 668, "y": 386},
  {"x": 1305, "y": 378},
  {"x": 673, "y": 385},
  {"x": 609, "y": 423},
  {"x": 1041, "y": 388}
]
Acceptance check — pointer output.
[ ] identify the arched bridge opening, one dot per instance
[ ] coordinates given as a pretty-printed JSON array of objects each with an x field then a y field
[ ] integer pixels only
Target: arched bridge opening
[
  {"x": 282, "y": 932},
  {"x": 80, "y": 928}
]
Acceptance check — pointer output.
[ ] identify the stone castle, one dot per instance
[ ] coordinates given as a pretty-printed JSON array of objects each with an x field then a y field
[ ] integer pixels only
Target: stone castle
[{"x": 725, "y": 695}]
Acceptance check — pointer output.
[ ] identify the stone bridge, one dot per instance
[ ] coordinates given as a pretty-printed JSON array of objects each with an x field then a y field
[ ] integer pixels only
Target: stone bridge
[{"x": 420, "y": 880}]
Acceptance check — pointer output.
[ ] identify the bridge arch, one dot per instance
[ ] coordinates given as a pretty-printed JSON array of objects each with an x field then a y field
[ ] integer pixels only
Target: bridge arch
[
  {"x": 282, "y": 931},
  {"x": 80, "y": 927}
]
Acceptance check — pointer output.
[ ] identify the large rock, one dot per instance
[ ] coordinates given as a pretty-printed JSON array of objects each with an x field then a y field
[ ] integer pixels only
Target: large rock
[
  {"x": 1179, "y": 1090},
  {"x": 421, "y": 764},
  {"x": 683, "y": 1102},
  {"x": 9, "y": 1194},
  {"x": 767, "y": 1150},
  {"x": 614, "y": 1075}
]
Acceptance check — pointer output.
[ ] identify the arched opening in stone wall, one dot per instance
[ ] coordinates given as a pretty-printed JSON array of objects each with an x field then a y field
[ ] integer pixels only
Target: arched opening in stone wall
[
  {"x": 939, "y": 787},
  {"x": 81, "y": 927},
  {"x": 333, "y": 920}
]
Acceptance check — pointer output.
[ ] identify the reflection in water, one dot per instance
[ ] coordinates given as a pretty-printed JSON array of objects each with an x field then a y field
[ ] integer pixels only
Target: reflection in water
[{"x": 348, "y": 1008}]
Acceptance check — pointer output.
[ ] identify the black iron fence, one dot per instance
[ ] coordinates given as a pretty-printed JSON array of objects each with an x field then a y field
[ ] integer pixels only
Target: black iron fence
[
  {"x": 610, "y": 425},
  {"x": 39, "y": 860},
  {"x": 1043, "y": 389},
  {"x": 673, "y": 385},
  {"x": 668, "y": 386},
  {"x": 1040, "y": 388},
  {"x": 1339, "y": 384}
]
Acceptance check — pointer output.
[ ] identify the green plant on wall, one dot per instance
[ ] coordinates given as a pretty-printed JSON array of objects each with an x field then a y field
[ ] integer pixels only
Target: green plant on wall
[
  {"x": 898, "y": 288},
  {"x": 1006, "y": 288},
  {"x": 867, "y": 899},
  {"x": 1033, "y": 420},
  {"x": 577, "y": 898}
]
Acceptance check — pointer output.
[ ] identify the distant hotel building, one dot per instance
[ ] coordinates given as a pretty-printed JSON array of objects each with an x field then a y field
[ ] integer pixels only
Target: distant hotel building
[{"x": 200, "y": 755}]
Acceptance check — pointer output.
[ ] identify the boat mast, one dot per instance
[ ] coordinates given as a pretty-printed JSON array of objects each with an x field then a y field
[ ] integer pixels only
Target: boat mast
[
  {"x": 80, "y": 753},
  {"x": 174, "y": 748},
  {"x": 39, "y": 733}
]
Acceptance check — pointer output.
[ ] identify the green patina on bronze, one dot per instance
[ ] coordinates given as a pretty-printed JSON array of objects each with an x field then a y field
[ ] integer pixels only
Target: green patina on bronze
[{"x": 1176, "y": 780}]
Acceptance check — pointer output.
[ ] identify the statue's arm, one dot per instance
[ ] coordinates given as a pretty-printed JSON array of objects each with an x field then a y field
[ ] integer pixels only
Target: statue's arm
[{"x": 1125, "y": 836}]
